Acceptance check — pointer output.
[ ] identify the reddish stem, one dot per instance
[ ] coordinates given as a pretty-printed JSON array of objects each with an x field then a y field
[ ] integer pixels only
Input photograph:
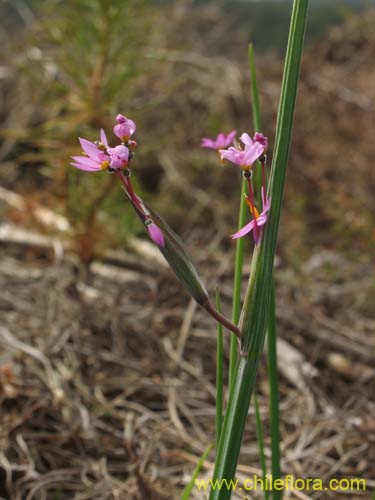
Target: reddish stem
[
  {"x": 263, "y": 184},
  {"x": 210, "y": 308},
  {"x": 129, "y": 189}
]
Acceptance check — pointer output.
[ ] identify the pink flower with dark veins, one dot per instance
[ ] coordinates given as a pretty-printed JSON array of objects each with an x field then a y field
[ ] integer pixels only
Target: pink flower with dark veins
[
  {"x": 221, "y": 141},
  {"x": 246, "y": 156},
  {"x": 119, "y": 157},
  {"x": 257, "y": 222},
  {"x": 98, "y": 156},
  {"x": 125, "y": 128}
]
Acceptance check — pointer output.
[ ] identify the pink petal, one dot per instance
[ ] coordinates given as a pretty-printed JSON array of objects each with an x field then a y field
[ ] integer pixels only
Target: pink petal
[
  {"x": 87, "y": 162},
  {"x": 231, "y": 136},
  {"x": 253, "y": 152},
  {"x": 220, "y": 141},
  {"x": 208, "y": 143},
  {"x": 132, "y": 126},
  {"x": 245, "y": 230},
  {"x": 232, "y": 154},
  {"x": 262, "y": 219},
  {"x": 156, "y": 234},
  {"x": 103, "y": 138},
  {"x": 84, "y": 167},
  {"x": 90, "y": 148},
  {"x": 267, "y": 205},
  {"x": 246, "y": 139}
]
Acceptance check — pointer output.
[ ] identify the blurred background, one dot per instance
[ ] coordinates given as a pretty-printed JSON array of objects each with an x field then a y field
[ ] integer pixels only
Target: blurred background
[{"x": 107, "y": 369}]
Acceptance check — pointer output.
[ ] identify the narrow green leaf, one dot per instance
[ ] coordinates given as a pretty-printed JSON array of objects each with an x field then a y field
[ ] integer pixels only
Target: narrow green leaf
[
  {"x": 257, "y": 120},
  {"x": 238, "y": 265},
  {"x": 219, "y": 374},
  {"x": 274, "y": 395},
  {"x": 260, "y": 439},
  {"x": 257, "y": 301},
  {"x": 189, "y": 487},
  {"x": 272, "y": 336}
]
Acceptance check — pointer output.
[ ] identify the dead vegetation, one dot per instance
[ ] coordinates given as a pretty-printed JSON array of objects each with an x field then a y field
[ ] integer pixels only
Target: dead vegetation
[{"x": 107, "y": 371}]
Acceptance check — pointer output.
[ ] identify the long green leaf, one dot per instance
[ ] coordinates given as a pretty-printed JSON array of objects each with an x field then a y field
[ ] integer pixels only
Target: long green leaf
[
  {"x": 257, "y": 180},
  {"x": 274, "y": 395},
  {"x": 257, "y": 119},
  {"x": 271, "y": 337},
  {"x": 257, "y": 301},
  {"x": 260, "y": 439},
  {"x": 238, "y": 265}
]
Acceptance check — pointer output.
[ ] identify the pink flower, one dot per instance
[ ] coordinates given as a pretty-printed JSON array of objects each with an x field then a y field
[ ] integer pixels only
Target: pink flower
[
  {"x": 262, "y": 139},
  {"x": 155, "y": 234},
  {"x": 119, "y": 156},
  {"x": 98, "y": 156},
  {"x": 95, "y": 156},
  {"x": 221, "y": 141},
  {"x": 253, "y": 149},
  {"x": 254, "y": 224},
  {"x": 125, "y": 128}
]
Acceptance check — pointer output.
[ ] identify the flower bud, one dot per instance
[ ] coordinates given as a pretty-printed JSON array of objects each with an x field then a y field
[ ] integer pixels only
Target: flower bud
[{"x": 125, "y": 127}]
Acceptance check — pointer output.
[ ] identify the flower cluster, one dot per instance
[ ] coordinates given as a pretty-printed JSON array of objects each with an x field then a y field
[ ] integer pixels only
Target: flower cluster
[
  {"x": 100, "y": 156},
  {"x": 245, "y": 156}
]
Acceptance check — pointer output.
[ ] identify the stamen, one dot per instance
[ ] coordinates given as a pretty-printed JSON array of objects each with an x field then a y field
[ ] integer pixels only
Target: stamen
[{"x": 253, "y": 209}]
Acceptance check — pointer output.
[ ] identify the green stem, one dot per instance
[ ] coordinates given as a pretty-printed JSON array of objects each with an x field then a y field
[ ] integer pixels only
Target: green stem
[
  {"x": 238, "y": 265},
  {"x": 219, "y": 374}
]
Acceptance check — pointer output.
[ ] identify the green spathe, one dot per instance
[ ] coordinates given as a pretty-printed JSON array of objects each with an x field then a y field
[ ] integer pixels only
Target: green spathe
[{"x": 176, "y": 255}]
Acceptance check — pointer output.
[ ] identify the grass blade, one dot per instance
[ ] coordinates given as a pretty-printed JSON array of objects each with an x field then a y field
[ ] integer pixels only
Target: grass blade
[
  {"x": 257, "y": 301},
  {"x": 238, "y": 265},
  {"x": 219, "y": 374},
  {"x": 260, "y": 439},
  {"x": 274, "y": 395},
  {"x": 272, "y": 334},
  {"x": 191, "y": 484},
  {"x": 257, "y": 118},
  {"x": 257, "y": 179}
]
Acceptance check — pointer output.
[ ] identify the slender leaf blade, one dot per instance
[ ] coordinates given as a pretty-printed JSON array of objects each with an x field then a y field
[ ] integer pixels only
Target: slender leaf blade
[{"x": 254, "y": 319}]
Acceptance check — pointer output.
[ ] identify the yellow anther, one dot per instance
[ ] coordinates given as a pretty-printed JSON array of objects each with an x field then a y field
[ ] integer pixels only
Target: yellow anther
[{"x": 252, "y": 208}]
